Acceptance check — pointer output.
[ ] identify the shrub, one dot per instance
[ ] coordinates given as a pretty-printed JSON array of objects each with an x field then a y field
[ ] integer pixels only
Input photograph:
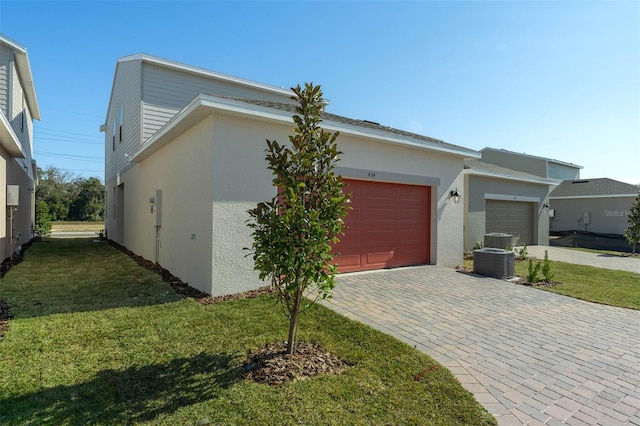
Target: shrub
[
  {"x": 547, "y": 273},
  {"x": 532, "y": 272}
]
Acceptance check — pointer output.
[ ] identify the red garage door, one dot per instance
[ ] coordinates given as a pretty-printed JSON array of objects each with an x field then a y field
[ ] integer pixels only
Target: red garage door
[{"x": 388, "y": 226}]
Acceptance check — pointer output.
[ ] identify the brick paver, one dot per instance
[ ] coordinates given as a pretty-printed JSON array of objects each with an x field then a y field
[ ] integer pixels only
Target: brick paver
[{"x": 529, "y": 356}]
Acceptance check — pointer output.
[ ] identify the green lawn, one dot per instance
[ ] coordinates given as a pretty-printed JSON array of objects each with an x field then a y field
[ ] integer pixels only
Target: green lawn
[
  {"x": 606, "y": 286},
  {"x": 98, "y": 340}
]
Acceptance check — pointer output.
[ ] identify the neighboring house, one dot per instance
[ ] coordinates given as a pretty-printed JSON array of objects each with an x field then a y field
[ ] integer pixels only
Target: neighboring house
[
  {"x": 501, "y": 200},
  {"x": 184, "y": 152},
  {"x": 531, "y": 164},
  {"x": 593, "y": 205},
  {"x": 18, "y": 109}
]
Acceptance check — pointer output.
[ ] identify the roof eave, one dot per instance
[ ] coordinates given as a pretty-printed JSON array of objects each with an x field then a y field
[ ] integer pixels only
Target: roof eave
[
  {"x": 9, "y": 140},
  {"x": 25, "y": 75},
  {"x": 541, "y": 181},
  {"x": 143, "y": 57},
  {"x": 203, "y": 105}
]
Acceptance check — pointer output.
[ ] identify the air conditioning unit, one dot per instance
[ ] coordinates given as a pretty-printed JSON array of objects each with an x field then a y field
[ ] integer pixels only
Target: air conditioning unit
[
  {"x": 493, "y": 262},
  {"x": 498, "y": 240},
  {"x": 13, "y": 195}
]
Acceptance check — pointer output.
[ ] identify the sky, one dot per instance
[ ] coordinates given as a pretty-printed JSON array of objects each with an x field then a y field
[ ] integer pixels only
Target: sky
[{"x": 555, "y": 79}]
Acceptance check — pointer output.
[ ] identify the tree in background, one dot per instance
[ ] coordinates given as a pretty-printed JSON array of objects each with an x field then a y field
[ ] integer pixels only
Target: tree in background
[
  {"x": 88, "y": 203},
  {"x": 292, "y": 233},
  {"x": 43, "y": 219},
  {"x": 67, "y": 197},
  {"x": 632, "y": 233}
]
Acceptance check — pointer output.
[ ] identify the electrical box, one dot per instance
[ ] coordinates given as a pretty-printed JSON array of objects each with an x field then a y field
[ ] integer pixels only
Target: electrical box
[
  {"x": 13, "y": 195},
  {"x": 552, "y": 213},
  {"x": 586, "y": 218}
]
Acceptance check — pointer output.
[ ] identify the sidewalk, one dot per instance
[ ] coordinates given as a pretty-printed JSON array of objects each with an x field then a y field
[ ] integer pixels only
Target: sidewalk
[{"x": 567, "y": 255}]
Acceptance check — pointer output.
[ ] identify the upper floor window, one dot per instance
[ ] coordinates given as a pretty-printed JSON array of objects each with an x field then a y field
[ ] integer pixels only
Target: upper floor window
[
  {"x": 120, "y": 121},
  {"x": 113, "y": 135}
]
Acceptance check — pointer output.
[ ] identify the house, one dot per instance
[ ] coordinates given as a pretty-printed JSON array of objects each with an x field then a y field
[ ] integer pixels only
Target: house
[
  {"x": 531, "y": 164},
  {"x": 508, "y": 192},
  {"x": 593, "y": 205},
  {"x": 18, "y": 109},
  {"x": 502, "y": 200},
  {"x": 184, "y": 161}
]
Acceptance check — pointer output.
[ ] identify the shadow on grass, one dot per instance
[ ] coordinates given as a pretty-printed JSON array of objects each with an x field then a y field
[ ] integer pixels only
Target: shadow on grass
[{"x": 136, "y": 394}]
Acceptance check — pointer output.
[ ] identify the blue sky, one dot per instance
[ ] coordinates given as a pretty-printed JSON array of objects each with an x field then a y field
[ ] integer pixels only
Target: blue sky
[{"x": 558, "y": 79}]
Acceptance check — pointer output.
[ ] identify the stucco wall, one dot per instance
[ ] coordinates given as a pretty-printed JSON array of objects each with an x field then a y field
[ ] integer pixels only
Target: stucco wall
[
  {"x": 477, "y": 188},
  {"x": 11, "y": 173},
  {"x": 607, "y": 215},
  {"x": 213, "y": 173},
  {"x": 182, "y": 171},
  {"x": 241, "y": 180}
]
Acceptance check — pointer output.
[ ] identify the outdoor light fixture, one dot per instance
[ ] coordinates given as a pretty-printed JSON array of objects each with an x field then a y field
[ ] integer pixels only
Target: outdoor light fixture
[
  {"x": 546, "y": 206},
  {"x": 455, "y": 195}
]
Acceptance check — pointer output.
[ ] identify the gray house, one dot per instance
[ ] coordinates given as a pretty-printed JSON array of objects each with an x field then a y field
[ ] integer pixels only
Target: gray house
[
  {"x": 498, "y": 199},
  {"x": 592, "y": 205},
  {"x": 18, "y": 109},
  {"x": 531, "y": 164}
]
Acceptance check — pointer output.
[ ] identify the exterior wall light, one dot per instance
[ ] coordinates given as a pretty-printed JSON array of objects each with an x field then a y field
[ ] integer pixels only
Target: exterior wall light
[{"x": 455, "y": 195}]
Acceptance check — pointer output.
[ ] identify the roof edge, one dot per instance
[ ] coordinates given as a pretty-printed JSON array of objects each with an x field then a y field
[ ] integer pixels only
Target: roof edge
[
  {"x": 550, "y": 160},
  {"x": 539, "y": 181},
  {"x": 24, "y": 74},
  {"x": 203, "y": 105},
  {"x": 167, "y": 63}
]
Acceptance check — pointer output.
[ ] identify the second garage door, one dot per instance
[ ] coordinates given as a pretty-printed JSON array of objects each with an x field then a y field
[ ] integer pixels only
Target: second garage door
[
  {"x": 388, "y": 226},
  {"x": 511, "y": 217}
]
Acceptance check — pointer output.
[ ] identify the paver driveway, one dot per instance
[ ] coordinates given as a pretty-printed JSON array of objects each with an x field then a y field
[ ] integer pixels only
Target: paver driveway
[{"x": 528, "y": 356}]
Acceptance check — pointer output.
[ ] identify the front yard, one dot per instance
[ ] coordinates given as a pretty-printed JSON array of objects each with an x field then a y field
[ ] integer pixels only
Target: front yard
[
  {"x": 605, "y": 286},
  {"x": 96, "y": 339}
]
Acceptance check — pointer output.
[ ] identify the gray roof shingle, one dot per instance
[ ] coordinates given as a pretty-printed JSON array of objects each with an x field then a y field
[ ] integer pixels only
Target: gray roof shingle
[
  {"x": 591, "y": 187},
  {"x": 291, "y": 107}
]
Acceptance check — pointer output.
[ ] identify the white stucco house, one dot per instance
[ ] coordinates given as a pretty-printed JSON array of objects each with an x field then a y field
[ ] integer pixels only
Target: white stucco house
[
  {"x": 184, "y": 161},
  {"x": 18, "y": 109}
]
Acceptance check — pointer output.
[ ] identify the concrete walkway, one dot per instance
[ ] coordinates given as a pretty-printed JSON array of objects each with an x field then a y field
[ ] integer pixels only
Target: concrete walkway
[
  {"x": 620, "y": 263},
  {"x": 528, "y": 356}
]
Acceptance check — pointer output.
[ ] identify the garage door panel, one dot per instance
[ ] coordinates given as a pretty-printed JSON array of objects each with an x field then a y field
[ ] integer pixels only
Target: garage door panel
[
  {"x": 388, "y": 226},
  {"x": 511, "y": 217}
]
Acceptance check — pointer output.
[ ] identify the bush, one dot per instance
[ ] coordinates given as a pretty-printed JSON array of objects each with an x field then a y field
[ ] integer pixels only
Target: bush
[
  {"x": 43, "y": 219},
  {"x": 547, "y": 273},
  {"x": 532, "y": 272}
]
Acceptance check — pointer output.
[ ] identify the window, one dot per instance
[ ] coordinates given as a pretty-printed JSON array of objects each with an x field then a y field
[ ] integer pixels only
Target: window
[
  {"x": 22, "y": 116},
  {"x": 120, "y": 121},
  {"x": 113, "y": 135}
]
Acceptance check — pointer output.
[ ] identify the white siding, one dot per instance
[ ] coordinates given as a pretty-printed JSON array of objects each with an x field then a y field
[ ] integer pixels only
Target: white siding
[
  {"x": 126, "y": 93},
  {"x": 167, "y": 91}
]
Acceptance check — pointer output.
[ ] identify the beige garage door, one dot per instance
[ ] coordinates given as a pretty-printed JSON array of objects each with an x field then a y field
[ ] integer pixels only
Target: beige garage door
[{"x": 511, "y": 217}]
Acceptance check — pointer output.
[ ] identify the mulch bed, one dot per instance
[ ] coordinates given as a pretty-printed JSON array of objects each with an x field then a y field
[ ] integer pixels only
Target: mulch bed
[
  {"x": 273, "y": 366},
  {"x": 185, "y": 289}
]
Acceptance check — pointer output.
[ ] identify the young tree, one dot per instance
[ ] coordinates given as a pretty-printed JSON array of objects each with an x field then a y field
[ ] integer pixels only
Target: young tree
[
  {"x": 292, "y": 233},
  {"x": 42, "y": 219},
  {"x": 632, "y": 233}
]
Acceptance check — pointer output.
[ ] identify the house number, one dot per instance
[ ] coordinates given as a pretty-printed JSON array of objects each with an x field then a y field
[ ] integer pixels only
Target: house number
[{"x": 372, "y": 174}]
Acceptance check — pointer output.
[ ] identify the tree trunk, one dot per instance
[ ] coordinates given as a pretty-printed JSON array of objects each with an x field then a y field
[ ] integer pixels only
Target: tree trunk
[{"x": 293, "y": 323}]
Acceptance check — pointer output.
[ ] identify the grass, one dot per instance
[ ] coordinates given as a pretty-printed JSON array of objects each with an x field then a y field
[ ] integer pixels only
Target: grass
[
  {"x": 98, "y": 340},
  {"x": 61, "y": 226},
  {"x": 604, "y": 286}
]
